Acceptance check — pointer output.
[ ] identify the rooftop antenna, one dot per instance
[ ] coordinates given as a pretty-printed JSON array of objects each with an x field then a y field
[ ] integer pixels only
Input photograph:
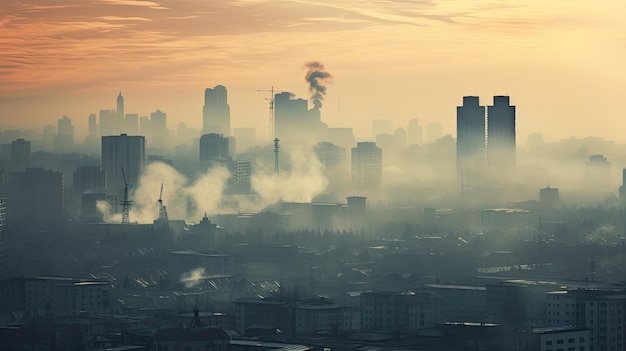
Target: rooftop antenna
[
  {"x": 162, "y": 209},
  {"x": 125, "y": 203}
]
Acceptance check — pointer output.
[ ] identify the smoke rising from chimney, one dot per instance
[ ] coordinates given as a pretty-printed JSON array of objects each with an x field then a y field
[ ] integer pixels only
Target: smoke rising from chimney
[{"x": 317, "y": 77}]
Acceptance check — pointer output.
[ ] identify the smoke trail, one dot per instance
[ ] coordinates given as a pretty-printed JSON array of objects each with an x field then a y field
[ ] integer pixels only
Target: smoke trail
[{"x": 316, "y": 76}]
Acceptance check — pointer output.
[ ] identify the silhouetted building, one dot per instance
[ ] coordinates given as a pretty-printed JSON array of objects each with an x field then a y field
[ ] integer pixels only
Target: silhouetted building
[
  {"x": 549, "y": 196},
  {"x": 622, "y": 188},
  {"x": 158, "y": 123},
  {"x": 357, "y": 207},
  {"x": 294, "y": 123},
  {"x": 501, "y": 133},
  {"x": 470, "y": 135},
  {"x": 122, "y": 151},
  {"x": 367, "y": 166},
  {"x": 20, "y": 155},
  {"x": 64, "y": 139},
  {"x": 37, "y": 199},
  {"x": 131, "y": 123},
  {"x": 214, "y": 150},
  {"x": 89, "y": 179},
  {"x": 333, "y": 158},
  {"x": 120, "y": 106},
  {"x": 194, "y": 337},
  {"x": 414, "y": 133},
  {"x": 598, "y": 174},
  {"x": 110, "y": 122},
  {"x": 554, "y": 338},
  {"x": 216, "y": 111},
  {"x": 399, "y": 311}
]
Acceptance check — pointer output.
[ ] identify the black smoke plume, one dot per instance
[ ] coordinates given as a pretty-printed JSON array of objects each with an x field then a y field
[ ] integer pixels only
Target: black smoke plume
[{"x": 316, "y": 76}]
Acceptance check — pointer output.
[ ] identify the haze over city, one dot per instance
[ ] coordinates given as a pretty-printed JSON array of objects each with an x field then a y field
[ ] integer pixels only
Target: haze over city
[
  {"x": 389, "y": 59},
  {"x": 344, "y": 175}
]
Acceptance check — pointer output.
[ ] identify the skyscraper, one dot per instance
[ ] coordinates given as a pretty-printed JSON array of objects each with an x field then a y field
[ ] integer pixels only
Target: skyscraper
[
  {"x": 214, "y": 150},
  {"x": 367, "y": 166},
  {"x": 37, "y": 199},
  {"x": 414, "y": 133},
  {"x": 122, "y": 151},
  {"x": 333, "y": 158},
  {"x": 158, "y": 123},
  {"x": 470, "y": 135},
  {"x": 64, "y": 139},
  {"x": 20, "y": 155},
  {"x": 120, "y": 106},
  {"x": 216, "y": 112},
  {"x": 501, "y": 133}
]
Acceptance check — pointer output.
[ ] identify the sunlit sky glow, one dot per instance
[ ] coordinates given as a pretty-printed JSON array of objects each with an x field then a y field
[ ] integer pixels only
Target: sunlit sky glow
[{"x": 562, "y": 62}]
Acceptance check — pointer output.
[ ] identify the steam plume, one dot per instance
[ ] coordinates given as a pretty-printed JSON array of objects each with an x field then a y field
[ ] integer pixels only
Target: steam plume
[
  {"x": 192, "y": 278},
  {"x": 316, "y": 76}
]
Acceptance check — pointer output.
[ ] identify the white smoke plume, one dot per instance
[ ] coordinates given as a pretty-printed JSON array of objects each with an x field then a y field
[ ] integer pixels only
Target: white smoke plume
[{"x": 192, "y": 278}]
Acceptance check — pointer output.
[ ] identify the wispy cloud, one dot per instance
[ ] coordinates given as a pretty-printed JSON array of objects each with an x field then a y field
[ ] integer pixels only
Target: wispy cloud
[{"x": 150, "y": 4}]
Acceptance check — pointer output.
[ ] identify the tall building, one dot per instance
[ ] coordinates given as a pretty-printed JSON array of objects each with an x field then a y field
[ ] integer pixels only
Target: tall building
[
  {"x": 414, "y": 133},
  {"x": 64, "y": 139},
  {"x": 89, "y": 179},
  {"x": 20, "y": 155},
  {"x": 214, "y": 150},
  {"x": 294, "y": 122},
  {"x": 122, "y": 151},
  {"x": 367, "y": 166},
  {"x": 110, "y": 122},
  {"x": 120, "y": 106},
  {"x": 333, "y": 158},
  {"x": 216, "y": 112},
  {"x": 131, "y": 123},
  {"x": 598, "y": 174},
  {"x": 37, "y": 199},
  {"x": 501, "y": 133},
  {"x": 158, "y": 123},
  {"x": 240, "y": 180},
  {"x": 470, "y": 135}
]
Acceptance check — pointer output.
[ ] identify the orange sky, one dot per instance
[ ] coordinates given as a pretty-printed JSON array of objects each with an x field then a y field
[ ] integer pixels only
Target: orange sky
[{"x": 562, "y": 62}]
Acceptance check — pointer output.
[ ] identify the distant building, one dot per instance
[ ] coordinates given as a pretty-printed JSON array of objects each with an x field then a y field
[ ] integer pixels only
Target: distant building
[
  {"x": 20, "y": 155},
  {"x": 598, "y": 174},
  {"x": 89, "y": 179},
  {"x": 60, "y": 295},
  {"x": 110, "y": 122},
  {"x": 470, "y": 135},
  {"x": 158, "y": 124},
  {"x": 357, "y": 209},
  {"x": 122, "y": 151},
  {"x": 240, "y": 179},
  {"x": 216, "y": 111},
  {"x": 399, "y": 311},
  {"x": 131, "y": 123},
  {"x": 554, "y": 338},
  {"x": 64, "y": 139},
  {"x": 194, "y": 337},
  {"x": 120, "y": 106},
  {"x": 435, "y": 132},
  {"x": 333, "y": 158},
  {"x": 295, "y": 123},
  {"x": 381, "y": 126},
  {"x": 549, "y": 196},
  {"x": 414, "y": 133},
  {"x": 367, "y": 166},
  {"x": 501, "y": 141},
  {"x": 37, "y": 199},
  {"x": 214, "y": 150}
]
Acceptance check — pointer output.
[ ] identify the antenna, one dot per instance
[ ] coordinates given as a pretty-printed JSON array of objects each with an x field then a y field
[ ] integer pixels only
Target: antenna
[
  {"x": 276, "y": 147},
  {"x": 125, "y": 203}
]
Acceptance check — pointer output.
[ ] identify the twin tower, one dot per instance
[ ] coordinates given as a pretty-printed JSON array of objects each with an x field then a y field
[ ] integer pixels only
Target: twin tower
[{"x": 485, "y": 140}]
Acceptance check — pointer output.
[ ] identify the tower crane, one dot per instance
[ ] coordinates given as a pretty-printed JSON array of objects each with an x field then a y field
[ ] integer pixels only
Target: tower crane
[
  {"x": 125, "y": 203},
  {"x": 272, "y": 91}
]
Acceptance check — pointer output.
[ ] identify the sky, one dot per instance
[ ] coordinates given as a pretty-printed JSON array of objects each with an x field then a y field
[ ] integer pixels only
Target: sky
[{"x": 561, "y": 62}]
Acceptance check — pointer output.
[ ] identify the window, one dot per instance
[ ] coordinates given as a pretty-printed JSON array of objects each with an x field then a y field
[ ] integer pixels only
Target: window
[{"x": 559, "y": 342}]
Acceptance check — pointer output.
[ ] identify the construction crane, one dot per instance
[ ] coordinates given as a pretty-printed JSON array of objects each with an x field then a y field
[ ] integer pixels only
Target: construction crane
[
  {"x": 272, "y": 91},
  {"x": 125, "y": 203},
  {"x": 162, "y": 209}
]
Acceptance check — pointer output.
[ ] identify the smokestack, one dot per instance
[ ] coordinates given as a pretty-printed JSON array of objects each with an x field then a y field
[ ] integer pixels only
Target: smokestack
[
  {"x": 276, "y": 147},
  {"x": 316, "y": 76}
]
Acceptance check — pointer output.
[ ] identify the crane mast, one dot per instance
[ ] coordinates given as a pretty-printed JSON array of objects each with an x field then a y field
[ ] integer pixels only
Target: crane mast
[{"x": 125, "y": 203}]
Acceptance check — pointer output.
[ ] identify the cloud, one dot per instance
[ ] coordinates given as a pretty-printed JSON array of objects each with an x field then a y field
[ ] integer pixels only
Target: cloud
[{"x": 149, "y": 4}]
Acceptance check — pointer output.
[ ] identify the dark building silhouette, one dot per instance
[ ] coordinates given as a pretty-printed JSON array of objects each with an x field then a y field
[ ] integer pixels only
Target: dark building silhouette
[
  {"x": 64, "y": 139},
  {"x": 36, "y": 199},
  {"x": 470, "y": 135},
  {"x": 216, "y": 112},
  {"x": 120, "y": 106},
  {"x": 214, "y": 149},
  {"x": 294, "y": 123},
  {"x": 333, "y": 158},
  {"x": 549, "y": 196},
  {"x": 598, "y": 174},
  {"x": 367, "y": 166},
  {"x": 20, "y": 155},
  {"x": 89, "y": 179},
  {"x": 122, "y": 151},
  {"x": 501, "y": 133}
]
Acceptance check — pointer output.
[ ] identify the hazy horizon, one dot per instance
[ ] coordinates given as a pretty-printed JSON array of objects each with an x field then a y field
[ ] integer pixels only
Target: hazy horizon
[{"x": 559, "y": 63}]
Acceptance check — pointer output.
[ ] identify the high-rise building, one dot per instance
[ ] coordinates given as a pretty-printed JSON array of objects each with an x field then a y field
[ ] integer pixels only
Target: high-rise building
[
  {"x": 598, "y": 174},
  {"x": 470, "y": 135},
  {"x": 89, "y": 179},
  {"x": 122, "y": 151},
  {"x": 131, "y": 123},
  {"x": 414, "y": 133},
  {"x": 120, "y": 106},
  {"x": 501, "y": 133},
  {"x": 214, "y": 150},
  {"x": 64, "y": 139},
  {"x": 294, "y": 123},
  {"x": 110, "y": 122},
  {"x": 367, "y": 166},
  {"x": 49, "y": 131},
  {"x": 216, "y": 111},
  {"x": 37, "y": 199},
  {"x": 333, "y": 158},
  {"x": 20, "y": 155},
  {"x": 158, "y": 123},
  {"x": 240, "y": 180}
]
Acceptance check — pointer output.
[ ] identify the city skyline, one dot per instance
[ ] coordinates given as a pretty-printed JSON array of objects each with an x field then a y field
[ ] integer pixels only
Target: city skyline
[{"x": 389, "y": 60}]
